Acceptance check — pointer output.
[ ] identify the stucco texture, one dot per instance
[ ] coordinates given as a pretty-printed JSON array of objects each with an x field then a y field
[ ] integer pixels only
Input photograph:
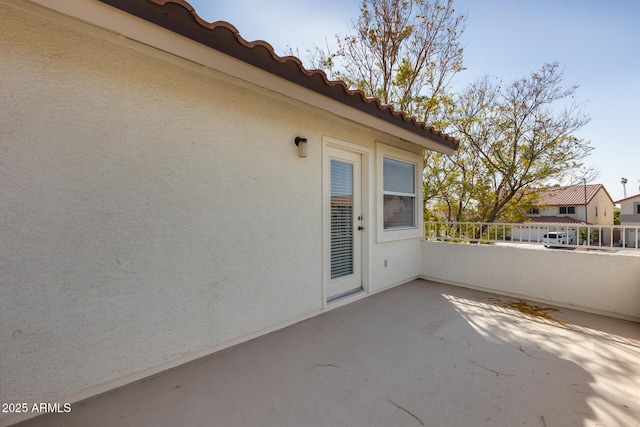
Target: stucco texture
[
  {"x": 602, "y": 283},
  {"x": 152, "y": 209},
  {"x": 146, "y": 209}
]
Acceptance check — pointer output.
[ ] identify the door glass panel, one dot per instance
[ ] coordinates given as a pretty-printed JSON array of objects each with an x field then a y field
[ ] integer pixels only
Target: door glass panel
[{"x": 341, "y": 219}]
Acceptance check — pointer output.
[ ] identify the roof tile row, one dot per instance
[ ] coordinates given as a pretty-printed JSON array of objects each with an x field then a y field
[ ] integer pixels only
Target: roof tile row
[{"x": 569, "y": 196}]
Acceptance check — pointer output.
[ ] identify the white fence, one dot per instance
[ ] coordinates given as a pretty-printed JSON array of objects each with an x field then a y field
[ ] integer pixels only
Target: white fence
[{"x": 587, "y": 236}]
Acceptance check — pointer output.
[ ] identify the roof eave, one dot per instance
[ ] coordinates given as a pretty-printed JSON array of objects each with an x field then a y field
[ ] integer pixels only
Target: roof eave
[
  {"x": 179, "y": 17},
  {"x": 627, "y": 198}
]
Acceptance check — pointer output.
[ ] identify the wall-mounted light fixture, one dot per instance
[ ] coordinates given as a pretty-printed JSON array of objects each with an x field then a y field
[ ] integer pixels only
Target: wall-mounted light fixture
[{"x": 302, "y": 146}]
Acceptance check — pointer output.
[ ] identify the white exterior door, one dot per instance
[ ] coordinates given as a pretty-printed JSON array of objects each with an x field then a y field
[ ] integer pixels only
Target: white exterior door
[{"x": 345, "y": 223}]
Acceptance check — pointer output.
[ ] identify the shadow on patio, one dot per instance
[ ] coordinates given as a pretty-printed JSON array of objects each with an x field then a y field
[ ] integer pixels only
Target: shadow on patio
[{"x": 420, "y": 354}]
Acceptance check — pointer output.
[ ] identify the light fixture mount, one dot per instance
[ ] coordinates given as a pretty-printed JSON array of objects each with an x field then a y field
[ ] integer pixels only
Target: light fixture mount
[{"x": 301, "y": 143}]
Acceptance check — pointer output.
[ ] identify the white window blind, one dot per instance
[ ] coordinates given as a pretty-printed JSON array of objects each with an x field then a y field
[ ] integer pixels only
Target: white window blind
[
  {"x": 399, "y": 192},
  {"x": 341, "y": 219}
]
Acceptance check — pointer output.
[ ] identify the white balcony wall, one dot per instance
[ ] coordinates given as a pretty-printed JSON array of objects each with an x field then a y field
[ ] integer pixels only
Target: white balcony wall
[
  {"x": 591, "y": 281},
  {"x": 395, "y": 262}
]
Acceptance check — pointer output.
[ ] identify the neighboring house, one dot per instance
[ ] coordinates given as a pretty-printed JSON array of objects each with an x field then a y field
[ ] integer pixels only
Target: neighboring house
[
  {"x": 559, "y": 204},
  {"x": 564, "y": 207},
  {"x": 169, "y": 189},
  {"x": 630, "y": 216}
]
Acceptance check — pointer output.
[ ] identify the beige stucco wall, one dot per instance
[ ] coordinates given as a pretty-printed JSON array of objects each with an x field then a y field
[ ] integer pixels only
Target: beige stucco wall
[
  {"x": 598, "y": 282},
  {"x": 605, "y": 208},
  {"x": 150, "y": 210}
]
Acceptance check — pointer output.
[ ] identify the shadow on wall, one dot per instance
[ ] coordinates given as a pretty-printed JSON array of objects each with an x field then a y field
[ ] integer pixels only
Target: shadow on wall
[{"x": 419, "y": 354}]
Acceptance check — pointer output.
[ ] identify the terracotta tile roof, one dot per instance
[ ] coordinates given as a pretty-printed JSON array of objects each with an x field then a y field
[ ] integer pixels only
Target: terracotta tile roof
[
  {"x": 553, "y": 220},
  {"x": 180, "y": 17},
  {"x": 572, "y": 195}
]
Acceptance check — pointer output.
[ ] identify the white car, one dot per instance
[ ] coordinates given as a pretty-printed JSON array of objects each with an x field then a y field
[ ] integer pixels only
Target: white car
[{"x": 555, "y": 238}]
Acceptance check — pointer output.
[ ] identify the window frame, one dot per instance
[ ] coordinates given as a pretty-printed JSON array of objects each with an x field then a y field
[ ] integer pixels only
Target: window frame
[
  {"x": 411, "y": 196},
  {"x": 399, "y": 233},
  {"x": 566, "y": 208}
]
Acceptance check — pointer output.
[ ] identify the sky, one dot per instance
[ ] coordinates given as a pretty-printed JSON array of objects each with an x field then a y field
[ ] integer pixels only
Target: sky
[{"x": 596, "y": 43}]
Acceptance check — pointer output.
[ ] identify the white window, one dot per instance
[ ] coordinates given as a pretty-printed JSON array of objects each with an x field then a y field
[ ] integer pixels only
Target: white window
[
  {"x": 564, "y": 210},
  {"x": 399, "y": 193}
]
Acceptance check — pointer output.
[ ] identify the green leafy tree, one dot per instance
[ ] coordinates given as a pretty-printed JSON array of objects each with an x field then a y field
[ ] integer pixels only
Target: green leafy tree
[
  {"x": 517, "y": 138},
  {"x": 453, "y": 184},
  {"x": 513, "y": 137},
  {"x": 403, "y": 52}
]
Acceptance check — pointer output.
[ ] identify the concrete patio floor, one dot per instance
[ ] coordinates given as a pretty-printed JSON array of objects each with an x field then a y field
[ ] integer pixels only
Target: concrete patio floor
[{"x": 422, "y": 353}]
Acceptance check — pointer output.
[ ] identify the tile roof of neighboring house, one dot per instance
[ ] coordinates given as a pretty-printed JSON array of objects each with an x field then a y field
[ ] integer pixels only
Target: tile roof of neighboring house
[
  {"x": 180, "y": 17},
  {"x": 628, "y": 198},
  {"x": 553, "y": 220},
  {"x": 572, "y": 195}
]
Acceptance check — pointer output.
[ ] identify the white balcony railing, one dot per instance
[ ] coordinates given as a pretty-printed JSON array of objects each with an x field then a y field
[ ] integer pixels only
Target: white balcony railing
[{"x": 587, "y": 236}]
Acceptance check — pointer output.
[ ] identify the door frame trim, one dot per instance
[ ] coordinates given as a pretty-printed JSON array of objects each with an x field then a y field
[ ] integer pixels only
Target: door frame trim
[{"x": 366, "y": 155}]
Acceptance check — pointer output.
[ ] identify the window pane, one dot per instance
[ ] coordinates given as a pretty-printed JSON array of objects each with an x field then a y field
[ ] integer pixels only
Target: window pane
[
  {"x": 341, "y": 219},
  {"x": 399, "y": 211},
  {"x": 341, "y": 178},
  {"x": 399, "y": 177}
]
